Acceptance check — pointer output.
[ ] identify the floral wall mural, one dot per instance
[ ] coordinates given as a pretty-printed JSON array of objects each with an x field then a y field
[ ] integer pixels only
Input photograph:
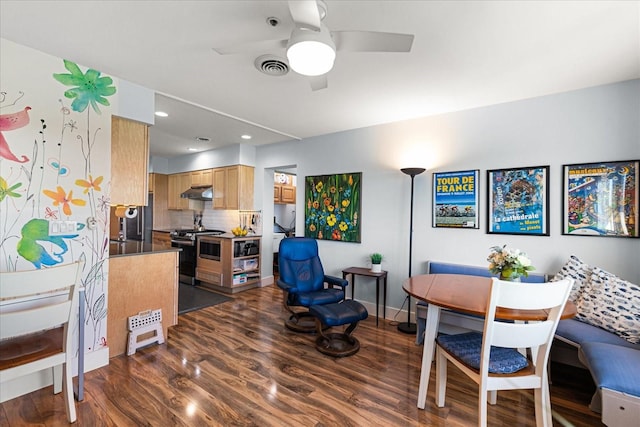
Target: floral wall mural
[{"x": 55, "y": 141}]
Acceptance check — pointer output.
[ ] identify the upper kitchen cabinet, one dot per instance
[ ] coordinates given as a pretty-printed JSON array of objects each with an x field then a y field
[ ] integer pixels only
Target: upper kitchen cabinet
[
  {"x": 284, "y": 190},
  {"x": 202, "y": 177},
  {"x": 233, "y": 187},
  {"x": 178, "y": 183},
  {"x": 129, "y": 162}
]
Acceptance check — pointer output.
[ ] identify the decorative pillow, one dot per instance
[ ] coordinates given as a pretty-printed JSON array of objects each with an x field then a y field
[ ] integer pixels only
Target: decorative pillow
[
  {"x": 612, "y": 304},
  {"x": 579, "y": 272}
]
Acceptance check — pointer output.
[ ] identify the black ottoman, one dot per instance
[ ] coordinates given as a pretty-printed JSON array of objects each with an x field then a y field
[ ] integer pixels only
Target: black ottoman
[{"x": 337, "y": 314}]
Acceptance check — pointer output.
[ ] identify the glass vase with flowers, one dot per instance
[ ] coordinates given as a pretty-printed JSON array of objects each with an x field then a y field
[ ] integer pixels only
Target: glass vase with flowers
[{"x": 509, "y": 264}]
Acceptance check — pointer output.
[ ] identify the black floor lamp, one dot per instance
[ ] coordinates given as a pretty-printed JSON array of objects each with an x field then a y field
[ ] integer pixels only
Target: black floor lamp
[{"x": 408, "y": 327}]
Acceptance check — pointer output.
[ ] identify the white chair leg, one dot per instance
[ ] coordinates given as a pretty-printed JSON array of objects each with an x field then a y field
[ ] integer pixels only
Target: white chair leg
[
  {"x": 70, "y": 404},
  {"x": 493, "y": 397},
  {"x": 441, "y": 378},
  {"x": 482, "y": 406},
  {"x": 57, "y": 379},
  {"x": 542, "y": 402}
]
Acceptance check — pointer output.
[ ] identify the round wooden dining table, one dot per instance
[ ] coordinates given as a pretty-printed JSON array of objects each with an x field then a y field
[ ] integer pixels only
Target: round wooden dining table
[{"x": 462, "y": 293}]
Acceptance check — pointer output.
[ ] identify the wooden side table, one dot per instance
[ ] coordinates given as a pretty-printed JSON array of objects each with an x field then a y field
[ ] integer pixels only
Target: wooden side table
[{"x": 361, "y": 271}]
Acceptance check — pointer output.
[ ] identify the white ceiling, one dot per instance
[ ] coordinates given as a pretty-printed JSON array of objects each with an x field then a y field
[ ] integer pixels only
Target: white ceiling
[{"x": 465, "y": 54}]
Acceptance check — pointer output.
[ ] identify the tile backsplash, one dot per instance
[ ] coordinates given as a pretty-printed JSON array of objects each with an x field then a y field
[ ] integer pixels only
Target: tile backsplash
[{"x": 211, "y": 218}]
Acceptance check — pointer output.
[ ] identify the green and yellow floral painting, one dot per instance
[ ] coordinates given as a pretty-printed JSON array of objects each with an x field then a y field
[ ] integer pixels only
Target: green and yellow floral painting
[{"x": 332, "y": 210}]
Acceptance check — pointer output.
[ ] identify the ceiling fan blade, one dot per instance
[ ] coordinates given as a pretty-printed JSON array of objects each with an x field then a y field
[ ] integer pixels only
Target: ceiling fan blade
[
  {"x": 305, "y": 14},
  {"x": 372, "y": 41},
  {"x": 318, "y": 82},
  {"x": 262, "y": 46}
]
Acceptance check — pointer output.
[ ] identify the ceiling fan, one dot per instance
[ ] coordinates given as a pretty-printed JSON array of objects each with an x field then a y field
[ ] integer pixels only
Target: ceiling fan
[{"x": 311, "y": 48}]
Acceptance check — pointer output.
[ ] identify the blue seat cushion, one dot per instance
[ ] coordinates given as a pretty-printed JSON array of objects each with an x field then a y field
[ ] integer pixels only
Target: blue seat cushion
[
  {"x": 348, "y": 311},
  {"x": 468, "y": 346},
  {"x": 324, "y": 296},
  {"x": 613, "y": 367},
  {"x": 580, "y": 332}
]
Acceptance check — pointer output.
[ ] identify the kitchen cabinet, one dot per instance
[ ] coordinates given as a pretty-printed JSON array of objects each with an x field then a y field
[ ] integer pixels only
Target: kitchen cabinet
[
  {"x": 160, "y": 199},
  {"x": 129, "y": 162},
  {"x": 151, "y": 182},
  {"x": 284, "y": 194},
  {"x": 238, "y": 268},
  {"x": 202, "y": 177},
  {"x": 233, "y": 187},
  {"x": 161, "y": 238},
  {"x": 139, "y": 283},
  {"x": 177, "y": 184}
]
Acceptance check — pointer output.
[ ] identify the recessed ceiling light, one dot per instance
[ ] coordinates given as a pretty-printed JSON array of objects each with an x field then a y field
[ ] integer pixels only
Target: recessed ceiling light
[
  {"x": 161, "y": 114},
  {"x": 246, "y": 137},
  {"x": 193, "y": 149},
  {"x": 203, "y": 139}
]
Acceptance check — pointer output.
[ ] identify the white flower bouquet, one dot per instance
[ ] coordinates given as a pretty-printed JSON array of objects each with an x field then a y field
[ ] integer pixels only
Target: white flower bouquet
[{"x": 510, "y": 264}]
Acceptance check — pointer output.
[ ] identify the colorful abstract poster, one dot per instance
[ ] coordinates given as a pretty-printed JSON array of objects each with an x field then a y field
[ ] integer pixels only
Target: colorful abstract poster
[
  {"x": 518, "y": 201},
  {"x": 332, "y": 210},
  {"x": 601, "y": 199},
  {"x": 455, "y": 199}
]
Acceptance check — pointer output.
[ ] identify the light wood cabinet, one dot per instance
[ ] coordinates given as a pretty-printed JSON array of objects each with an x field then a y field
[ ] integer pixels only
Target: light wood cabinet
[
  {"x": 161, "y": 238},
  {"x": 233, "y": 187},
  {"x": 129, "y": 162},
  {"x": 160, "y": 199},
  {"x": 152, "y": 182},
  {"x": 138, "y": 283},
  {"x": 178, "y": 183},
  {"x": 238, "y": 268},
  {"x": 202, "y": 177},
  {"x": 284, "y": 194}
]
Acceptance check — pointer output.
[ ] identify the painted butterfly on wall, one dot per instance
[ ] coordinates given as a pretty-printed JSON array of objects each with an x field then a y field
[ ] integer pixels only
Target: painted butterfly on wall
[{"x": 63, "y": 170}]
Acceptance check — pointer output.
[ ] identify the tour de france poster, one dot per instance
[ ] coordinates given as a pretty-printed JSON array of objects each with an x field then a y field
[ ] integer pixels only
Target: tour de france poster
[
  {"x": 518, "y": 201},
  {"x": 455, "y": 199},
  {"x": 601, "y": 199}
]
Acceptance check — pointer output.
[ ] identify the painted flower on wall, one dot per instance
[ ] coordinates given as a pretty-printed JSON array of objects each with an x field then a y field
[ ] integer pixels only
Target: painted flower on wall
[
  {"x": 90, "y": 184},
  {"x": 60, "y": 197},
  {"x": 331, "y": 211},
  {"x": 5, "y": 190},
  {"x": 89, "y": 88}
]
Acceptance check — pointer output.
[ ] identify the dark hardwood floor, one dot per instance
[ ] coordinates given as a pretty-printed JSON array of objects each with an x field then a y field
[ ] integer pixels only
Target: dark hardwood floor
[{"x": 235, "y": 364}]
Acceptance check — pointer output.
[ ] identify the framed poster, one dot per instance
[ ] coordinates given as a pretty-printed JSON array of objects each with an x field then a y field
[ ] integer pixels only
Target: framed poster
[
  {"x": 518, "y": 201},
  {"x": 455, "y": 199},
  {"x": 332, "y": 207},
  {"x": 601, "y": 199}
]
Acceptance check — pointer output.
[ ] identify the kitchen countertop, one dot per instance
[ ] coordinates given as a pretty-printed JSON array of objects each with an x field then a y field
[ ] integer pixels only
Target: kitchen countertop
[{"x": 133, "y": 247}]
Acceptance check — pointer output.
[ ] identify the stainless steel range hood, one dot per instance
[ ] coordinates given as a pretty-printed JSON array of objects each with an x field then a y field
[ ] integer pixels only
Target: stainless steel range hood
[{"x": 198, "y": 192}]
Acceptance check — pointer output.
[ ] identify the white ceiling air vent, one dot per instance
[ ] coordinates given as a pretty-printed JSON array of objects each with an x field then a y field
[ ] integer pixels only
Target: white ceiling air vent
[{"x": 272, "y": 65}]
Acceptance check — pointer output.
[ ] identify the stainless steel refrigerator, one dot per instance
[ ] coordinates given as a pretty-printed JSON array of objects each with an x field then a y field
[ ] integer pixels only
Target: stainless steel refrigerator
[{"x": 138, "y": 228}]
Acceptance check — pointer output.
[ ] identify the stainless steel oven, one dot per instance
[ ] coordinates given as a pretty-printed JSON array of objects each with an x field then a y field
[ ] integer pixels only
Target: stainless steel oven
[{"x": 186, "y": 240}]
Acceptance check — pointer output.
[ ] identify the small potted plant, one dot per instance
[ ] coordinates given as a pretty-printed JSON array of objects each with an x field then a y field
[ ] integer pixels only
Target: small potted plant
[{"x": 376, "y": 262}]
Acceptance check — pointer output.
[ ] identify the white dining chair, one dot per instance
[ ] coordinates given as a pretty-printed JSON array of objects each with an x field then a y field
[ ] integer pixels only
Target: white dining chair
[
  {"x": 492, "y": 359},
  {"x": 36, "y": 332}
]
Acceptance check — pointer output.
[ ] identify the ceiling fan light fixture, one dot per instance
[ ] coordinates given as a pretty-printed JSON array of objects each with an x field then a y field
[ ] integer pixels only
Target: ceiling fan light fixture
[{"x": 311, "y": 53}]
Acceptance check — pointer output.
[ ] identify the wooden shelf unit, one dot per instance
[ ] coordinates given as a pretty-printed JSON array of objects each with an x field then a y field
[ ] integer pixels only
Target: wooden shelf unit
[{"x": 236, "y": 271}]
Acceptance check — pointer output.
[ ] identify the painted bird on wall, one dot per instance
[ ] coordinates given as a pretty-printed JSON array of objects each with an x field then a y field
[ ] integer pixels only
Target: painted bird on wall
[{"x": 11, "y": 122}]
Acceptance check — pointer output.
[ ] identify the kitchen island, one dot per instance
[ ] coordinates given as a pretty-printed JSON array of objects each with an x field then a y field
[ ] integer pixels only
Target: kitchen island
[{"x": 142, "y": 276}]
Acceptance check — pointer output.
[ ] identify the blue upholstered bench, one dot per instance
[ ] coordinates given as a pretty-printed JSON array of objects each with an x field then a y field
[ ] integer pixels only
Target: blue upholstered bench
[
  {"x": 338, "y": 314},
  {"x": 452, "y": 322},
  {"x": 616, "y": 371}
]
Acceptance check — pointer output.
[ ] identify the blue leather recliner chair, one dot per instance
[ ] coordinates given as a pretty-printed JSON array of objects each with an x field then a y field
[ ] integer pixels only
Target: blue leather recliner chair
[{"x": 303, "y": 281}]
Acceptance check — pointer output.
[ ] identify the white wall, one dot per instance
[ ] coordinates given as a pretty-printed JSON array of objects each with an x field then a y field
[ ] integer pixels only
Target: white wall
[{"x": 591, "y": 125}]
